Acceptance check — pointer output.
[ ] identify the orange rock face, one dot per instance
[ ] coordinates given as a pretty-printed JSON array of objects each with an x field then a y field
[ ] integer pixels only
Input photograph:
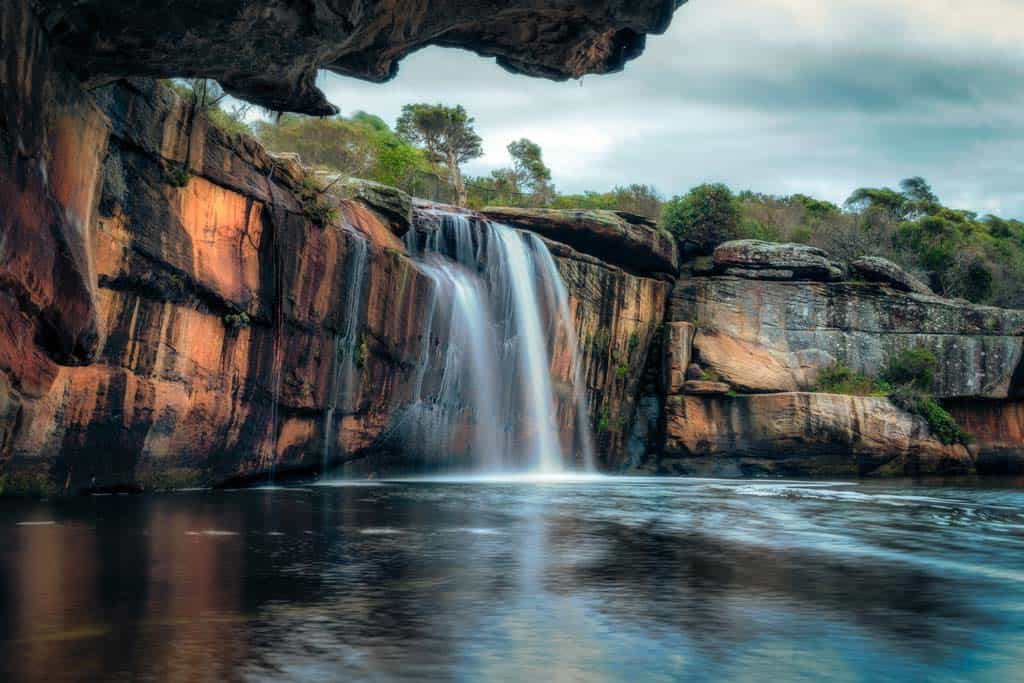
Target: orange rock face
[
  {"x": 231, "y": 336},
  {"x": 800, "y": 434},
  {"x": 616, "y": 315},
  {"x": 997, "y": 433},
  {"x": 216, "y": 310}
]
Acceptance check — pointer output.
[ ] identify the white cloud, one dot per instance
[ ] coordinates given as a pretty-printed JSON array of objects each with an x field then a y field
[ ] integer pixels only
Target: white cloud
[{"x": 775, "y": 95}]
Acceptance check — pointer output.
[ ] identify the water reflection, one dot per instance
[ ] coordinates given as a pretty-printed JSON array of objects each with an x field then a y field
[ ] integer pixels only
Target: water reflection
[{"x": 586, "y": 580}]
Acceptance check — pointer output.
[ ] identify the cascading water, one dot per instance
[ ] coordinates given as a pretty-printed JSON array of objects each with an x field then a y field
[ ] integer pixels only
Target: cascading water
[
  {"x": 556, "y": 290},
  {"x": 346, "y": 340},
  {"x": 515, "y": 280},
  {"x": 498, "y": 305}
]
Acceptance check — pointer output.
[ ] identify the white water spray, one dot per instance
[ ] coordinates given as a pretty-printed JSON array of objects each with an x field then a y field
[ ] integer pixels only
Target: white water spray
[{"x": 497, "y": 305}]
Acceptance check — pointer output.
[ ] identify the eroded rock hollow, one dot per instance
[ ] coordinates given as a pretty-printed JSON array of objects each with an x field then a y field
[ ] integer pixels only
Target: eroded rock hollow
[{"x": 269, "y": 51}]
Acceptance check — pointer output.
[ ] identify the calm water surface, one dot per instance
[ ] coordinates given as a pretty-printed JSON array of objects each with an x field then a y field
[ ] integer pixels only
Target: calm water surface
[{"x": 618, "y": 579}]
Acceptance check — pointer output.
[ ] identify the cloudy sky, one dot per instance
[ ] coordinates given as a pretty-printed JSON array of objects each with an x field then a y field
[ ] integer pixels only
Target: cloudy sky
[{"x": 779, "y": 96}]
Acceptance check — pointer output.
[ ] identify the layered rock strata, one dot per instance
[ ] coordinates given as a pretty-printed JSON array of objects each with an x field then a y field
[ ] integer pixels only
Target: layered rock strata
[
  {"x": 756, "y": 342},
  {"x": 801, "y": 434},
  {"x": 765, "y": 335}
]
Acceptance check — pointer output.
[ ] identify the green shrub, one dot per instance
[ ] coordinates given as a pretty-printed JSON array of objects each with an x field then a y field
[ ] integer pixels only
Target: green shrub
[
  {"x": 840, "y": 379},
  {"x": 599, "y": 342},
  {"x": 711, "y": 375},
  {"x": 634, "y": 342},
  {"x": 364, "y": 354},
  {"x": 915, "y": 367},
  {"x": 236, "y": 321},
  {"x": 706, "y": 216},
  {"x": 313, "y": 207},
  {"x": 942, "y": 425},
  {"x": 177, "y": 175},
  {"x": 621, "y": 371}
]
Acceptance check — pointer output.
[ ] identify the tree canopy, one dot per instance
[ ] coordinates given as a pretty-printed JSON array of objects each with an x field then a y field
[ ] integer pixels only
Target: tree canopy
[
  {"x": 705, "y": 216},
  {"x": 447, "y": 135},
  {"x": 361, "y": 146}
]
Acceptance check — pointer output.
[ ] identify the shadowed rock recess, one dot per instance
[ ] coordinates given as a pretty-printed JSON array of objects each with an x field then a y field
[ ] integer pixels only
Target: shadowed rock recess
[
  {"x": 268, "y": 51},
  {"x": 180, "y": 308}
]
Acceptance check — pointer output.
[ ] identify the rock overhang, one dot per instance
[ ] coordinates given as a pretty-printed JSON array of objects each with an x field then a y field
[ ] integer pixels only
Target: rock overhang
[{"x": 269, "y": 52}]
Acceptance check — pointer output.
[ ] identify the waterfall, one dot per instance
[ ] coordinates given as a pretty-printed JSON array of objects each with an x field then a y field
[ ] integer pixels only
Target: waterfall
[
  {"x": 497, "y": 306},
  {"x": 515, "y": 280},
  {"x": 579, "y": 391},
  {"x": 346, "y": 340}
]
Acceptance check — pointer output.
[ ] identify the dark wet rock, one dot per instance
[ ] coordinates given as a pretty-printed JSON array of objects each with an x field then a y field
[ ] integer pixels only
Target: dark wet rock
[
  {"x": 391, "y": 204},
  {"x": 621, "y": 239},
  {"x": 269, "y": 52},
  {"x": 694, "y": 371}
]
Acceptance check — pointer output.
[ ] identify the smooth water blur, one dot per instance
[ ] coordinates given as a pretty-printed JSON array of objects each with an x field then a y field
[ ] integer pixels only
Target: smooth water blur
[{"x": 558, "y": 579}]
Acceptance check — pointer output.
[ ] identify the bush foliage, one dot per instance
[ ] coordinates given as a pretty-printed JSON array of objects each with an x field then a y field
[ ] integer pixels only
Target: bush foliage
[
  {"x": 912, "y": 367},
  {"x": 840, "y": 379},
  {"x": 906, "y": 380},
  {"x": 961, "y": 254}
]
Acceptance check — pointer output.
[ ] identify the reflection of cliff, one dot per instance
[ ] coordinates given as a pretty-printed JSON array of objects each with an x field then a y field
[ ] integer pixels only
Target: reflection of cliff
[
  {"x": 149, "y": 599},
  {"x": 434, "y": 579}
]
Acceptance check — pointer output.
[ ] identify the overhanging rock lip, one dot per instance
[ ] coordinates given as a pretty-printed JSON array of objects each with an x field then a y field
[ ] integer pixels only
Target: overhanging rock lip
[{"x": 271, "y": 55}]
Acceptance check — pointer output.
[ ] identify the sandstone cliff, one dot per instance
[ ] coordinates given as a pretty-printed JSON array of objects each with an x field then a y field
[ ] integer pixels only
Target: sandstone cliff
[
  {"x": 194, "y": 311},
  {"x": 746, "y": 338},
  {"x": 178, "y": 307}
]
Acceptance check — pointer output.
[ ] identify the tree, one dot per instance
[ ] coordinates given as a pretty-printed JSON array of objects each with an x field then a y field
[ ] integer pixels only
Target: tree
[
  {"x": 447, "y": 134},
  {"x": 882, "y": 200},
  {"x": 707, "y": 215},
  {"x": 205, "y": 96},
  {"x": 332, "y": 142},
  {"x": 531, "y": 172},
  {"x": 921, "y": 201}
]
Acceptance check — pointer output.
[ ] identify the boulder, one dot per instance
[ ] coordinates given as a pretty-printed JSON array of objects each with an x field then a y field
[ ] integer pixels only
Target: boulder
[
  {"x": 877, "y": 269},
  {"x": 758, "y": 260},
  {"x": 802, "y": 434},
  {"x": 621, "y": 239},
  {"x": 700, "y": 387},
  {"x": 228, "y": 40},
  {"x": 694, "y": 371}
]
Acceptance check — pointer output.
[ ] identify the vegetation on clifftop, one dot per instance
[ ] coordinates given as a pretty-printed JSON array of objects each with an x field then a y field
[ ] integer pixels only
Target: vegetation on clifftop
[{"x": 959, "y": 253}]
